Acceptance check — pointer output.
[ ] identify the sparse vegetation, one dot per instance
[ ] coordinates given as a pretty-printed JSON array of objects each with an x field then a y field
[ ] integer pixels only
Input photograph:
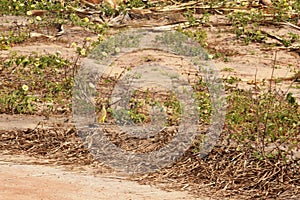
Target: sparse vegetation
[
  {"x": 257, "y": 152},
  {"x": 48, "y": 80}
]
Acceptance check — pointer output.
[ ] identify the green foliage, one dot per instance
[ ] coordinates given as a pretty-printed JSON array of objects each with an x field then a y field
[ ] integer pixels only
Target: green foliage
[
  {"x": 48, "y": 78},
  {"x": 203, "y": 101},
  {"x": 241, "y": 21},
  {"x": 232, "y": 80},
  {"x": 85, "y": 22},
  {"x": 17, "y": 101},
  {"x": 198, "y": 35},
  {"x": 137, "y": 4},
  {"x": 246, "y": 24},
  {"x": 262, "y": 121},
  {"x": 134, "y": 112},
  {"x": 20, "y": 7},
  {"x": 283, "y": 9},
  {"x": 189, "y": 15},
  {"x": 227, "y": 69},
  {"x": 12, "y": 37},
  {"x": 177, "y": 42},
  {"x": 142, "y": 102}
]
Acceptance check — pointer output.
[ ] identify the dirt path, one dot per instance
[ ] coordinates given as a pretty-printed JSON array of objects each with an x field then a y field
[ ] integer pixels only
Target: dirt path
[
  {"x": 27, "y": 178},
  {"x": 33, "y": 182}
]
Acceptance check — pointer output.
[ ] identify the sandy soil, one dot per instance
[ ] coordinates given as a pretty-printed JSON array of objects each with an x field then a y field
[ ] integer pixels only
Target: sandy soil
[{"x": 35, "y": 182}]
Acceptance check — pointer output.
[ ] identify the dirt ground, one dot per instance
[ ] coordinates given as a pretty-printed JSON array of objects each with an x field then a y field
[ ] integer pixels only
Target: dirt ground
[{"x": 23, "y": 177}]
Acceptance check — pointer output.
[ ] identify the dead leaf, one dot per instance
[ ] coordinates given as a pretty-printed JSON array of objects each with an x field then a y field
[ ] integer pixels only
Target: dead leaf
[
  {"x": 94, "y": 1},
  {"x": 38, "y": 12},
  {"x": 266, "y": 2}
]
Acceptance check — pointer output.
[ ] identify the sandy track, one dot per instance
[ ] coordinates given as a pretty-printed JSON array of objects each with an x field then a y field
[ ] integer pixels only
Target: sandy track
[{"x": 35, "y": 182}]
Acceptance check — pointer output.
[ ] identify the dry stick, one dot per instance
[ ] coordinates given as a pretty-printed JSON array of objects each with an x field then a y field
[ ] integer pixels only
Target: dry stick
[
  {"x": 255, "y": 80},
  {"x": 273, "y": 69},
  {"x": 268, "y": 111},
  {"x": 257, "y": 111},
  {"x": 120, "y": 75},
  {"x": 272, "y": 36},
  {"x": 288, "y": 89},
  {"x": 175, "y": 2},
  {"x": 285, "y": 23},
  {"x": 270, "y": 90},
  {"x": 290, "y": 24},
  {"x": 77, "y": 59},
  {"x": 91, "y": 5}
]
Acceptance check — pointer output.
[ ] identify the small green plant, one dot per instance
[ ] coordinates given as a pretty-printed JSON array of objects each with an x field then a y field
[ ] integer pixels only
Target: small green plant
[
  {"x": 142, "y": 102},
  {"x": 226, "y": 59},
  {"x": 227, "y": 69},
  {"x": 13, "y": 37},
  {"x": 253, "y": 36},
  {"x": 85, "y": 22},
  {"x": 42, "y": 79},
  {"x": 291, "y": 99},
  {"x": 18, "y": 101},
  {"x": 137, "y": 112},
  {"x": 202, "y": 98},
  {"x": 246, "y": 24},
  {"x": 292, "y": 38},
  {"x": 174, "y": 110},
  {"x": 189, "y": 15},
  {"x": 283, "y": 10},
  {"x": 198, "y": 35},
  {"x": 264, "y": 121},
  {"x": 20, "y": 7},
  {"x": 137, "y": 3},
  {"x": 232, "y": 80}
]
